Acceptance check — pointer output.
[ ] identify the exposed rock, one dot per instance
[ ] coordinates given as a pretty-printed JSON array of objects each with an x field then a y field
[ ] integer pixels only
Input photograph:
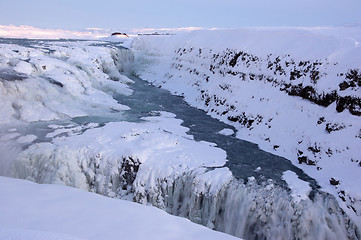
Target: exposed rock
[
  {"x": 321, "y": 120},
  {"x": 304, "y": 159},
  {"x": 351, "y": 103},
  {"x": 129, "y": 169},
  {"x": 352, "y": 79},
  {"x": 331, "y": 127},
  {"x": 334, "y": 182},
  {"x": 120, "y": 34}
]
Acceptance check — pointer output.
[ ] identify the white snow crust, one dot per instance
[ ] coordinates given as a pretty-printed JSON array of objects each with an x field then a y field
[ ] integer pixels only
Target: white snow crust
[
  {"x": 226, "y": 132},
  {"x": 300, "y": 189}
]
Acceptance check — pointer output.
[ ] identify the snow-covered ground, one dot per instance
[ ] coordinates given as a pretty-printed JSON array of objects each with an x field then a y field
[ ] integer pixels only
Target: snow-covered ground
[
  {"x": 293, "y": 91},
  {"x": 47, "y": 212}
]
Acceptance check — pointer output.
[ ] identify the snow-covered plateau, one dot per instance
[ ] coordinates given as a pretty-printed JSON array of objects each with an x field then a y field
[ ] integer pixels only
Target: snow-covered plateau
[{"x": 293, "y": 91}]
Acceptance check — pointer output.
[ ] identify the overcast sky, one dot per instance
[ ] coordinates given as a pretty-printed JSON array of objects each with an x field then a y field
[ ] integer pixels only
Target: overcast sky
[{"x": 115, "y": 14}]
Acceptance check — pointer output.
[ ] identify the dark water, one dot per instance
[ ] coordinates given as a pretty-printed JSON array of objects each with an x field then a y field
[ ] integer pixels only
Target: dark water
[{"x": 243, "y": 157}]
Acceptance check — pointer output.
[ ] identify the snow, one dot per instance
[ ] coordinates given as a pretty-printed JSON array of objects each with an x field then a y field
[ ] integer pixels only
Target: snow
[
  {"x": 33, "y": 211},
  {"x": 197, "y": 65},
  {"x": 226, "y": 132},
  {"x": 300, "y": 189},
  {"x": 27, "y": 139},
  {"x": 258, "y": 169},
  {"x": 155, "y": 161},
  {"x": 214, "y": 180},
  {"x": 9, "y": 136},
  {"x": 17, "y": 234}
]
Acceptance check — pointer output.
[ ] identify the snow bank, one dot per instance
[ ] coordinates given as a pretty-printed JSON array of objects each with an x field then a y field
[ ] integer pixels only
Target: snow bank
[
  {"x": 32, "y": 211},
  {"x": 294, "y": 91}
]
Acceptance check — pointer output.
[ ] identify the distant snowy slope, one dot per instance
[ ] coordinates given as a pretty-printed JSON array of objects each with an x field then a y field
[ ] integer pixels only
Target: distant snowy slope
[
  {"x": 33, "y": 211},
  {"x": 294, "y": 91}
]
